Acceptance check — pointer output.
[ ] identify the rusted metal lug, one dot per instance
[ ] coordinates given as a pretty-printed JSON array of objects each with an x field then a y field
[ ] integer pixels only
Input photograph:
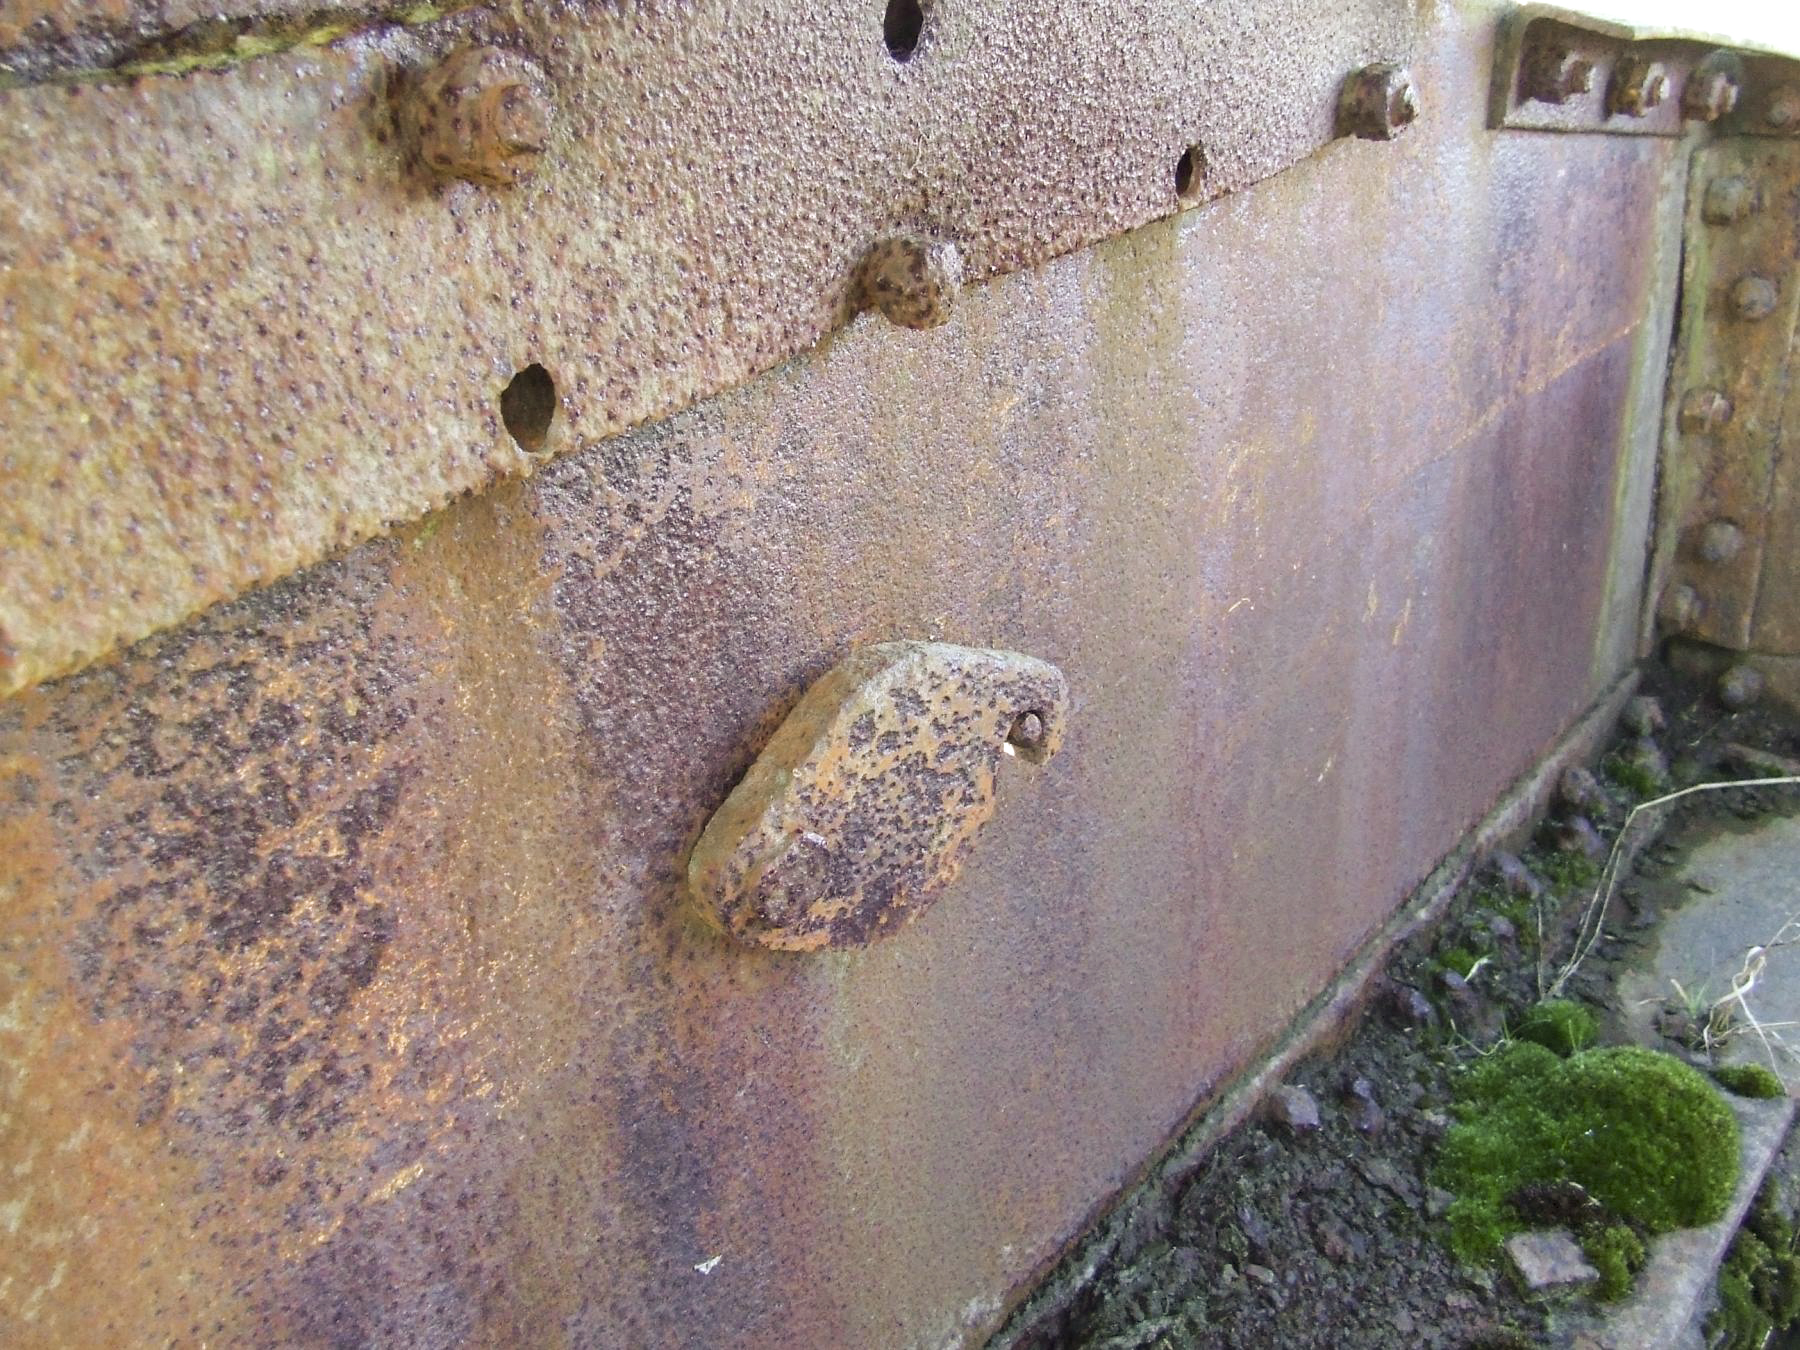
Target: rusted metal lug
[
  {"x": 1730, "y": 199},
  {"x": 1754, "y": 297},
  {"x": 1377, "y": 103},
  {"x": 1703, "y": 411},
  {"x": 1709, "y": 94},
  {"x": 1551, "y": 73},
  {"x": 863, "y": 805},
  {"x": 481, "y": 114},
  {"x": 912, "y": 280},
  {"x": 1637, "y": 87}
]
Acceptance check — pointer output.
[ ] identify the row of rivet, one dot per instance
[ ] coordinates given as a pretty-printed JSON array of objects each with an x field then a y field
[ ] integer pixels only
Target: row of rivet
[{"x": 483, "y": 115}]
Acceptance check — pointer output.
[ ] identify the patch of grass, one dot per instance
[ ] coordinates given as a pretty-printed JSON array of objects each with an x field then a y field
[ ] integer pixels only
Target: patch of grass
[
  {"x": 1559, "y": 1024},
  {"x": 1748, "y": 1080},
  {"x": 1644, "y": 1134},
  {"x": 1618, "y": 1254}
]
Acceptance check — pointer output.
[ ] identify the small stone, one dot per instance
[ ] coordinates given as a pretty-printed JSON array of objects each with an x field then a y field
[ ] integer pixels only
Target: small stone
[
  {"x": 1383, "y": 1175},
  {"x": 1472, "y": 1013},
  {"x": 1740, "y": 686},
  {"x": 1578, "y": 835},
  {"x": 1261, "y": 1274},
  {"x": 1643, "y": 716},
  {"x": 1434, "y": 1124},
  {"x": 1409, "y": 1007},
  {"x": 1754, "y": 763},
  {"x": 1580, "y": 791},
  {"x": 1549, "y": 1262},
  {"x": 1294, "y": 1108},
  {"x": 1646, "y": 756},
  {"x": 1366, "y": 1115},
  {"x": 1333, "y": 1241},
  {"x": 1438, "y": 1201},
  {"x": 1457, "y": 1301},
  {"x": 1503, "y": 930},
  {"x": 1516, "y": 877},
  {"x": 1403, "y": 1322}
]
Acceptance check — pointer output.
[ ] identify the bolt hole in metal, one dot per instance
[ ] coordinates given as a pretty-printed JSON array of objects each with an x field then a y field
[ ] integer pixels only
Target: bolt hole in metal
[
  {"x": 528, "y": 407},
  {"x": 1190, "y": 173},
  {"x": 901, "y": 28},
  {"x": 1027, "y": 733}
]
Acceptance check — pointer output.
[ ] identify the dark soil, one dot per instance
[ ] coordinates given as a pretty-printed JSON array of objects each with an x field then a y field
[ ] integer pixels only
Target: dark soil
[{"x": 1333, "y": 1236}]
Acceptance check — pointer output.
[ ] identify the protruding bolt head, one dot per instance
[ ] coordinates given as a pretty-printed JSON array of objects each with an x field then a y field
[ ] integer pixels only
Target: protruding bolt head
[
  {"x": 794, "y": 880},
  {"x": 1781, "y": 109},
  {"x": 1709, "y": 95},
  {"x": 1027, "y": 732},
  {"x": 1740, "y": 686},
  {"x": 1703, "y": 411},
  {"x": 1637, "y": 87},
  {"x": 1754, "y": 297},
  {"x": 1720, "y": 542},
  {"x": 1553, "y": 74},
  {"x": 1377, "y": 103},
  {"x": 913, "y": 281},
  {"x": 1679, "y": 609},
  {"x": 1730, "y": 199},
  {"x": 481, "y": 115}
]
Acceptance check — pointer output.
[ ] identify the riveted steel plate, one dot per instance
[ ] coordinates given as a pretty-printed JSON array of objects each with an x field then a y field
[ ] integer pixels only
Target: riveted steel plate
[
  {"x": 1740, "y": 305},
  {"x": 862, "y": 806},
  {"x": 244, "y": 328},
  {"x": 351, "y": 990}
]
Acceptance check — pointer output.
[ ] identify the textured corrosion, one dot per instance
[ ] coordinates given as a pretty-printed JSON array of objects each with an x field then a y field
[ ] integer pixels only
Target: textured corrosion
[
  {"x": 1726, "y": 425},
  {"x": 863, "y": 805},
  {"x": 352, "y": 994},
  {"x": 243, "y": 325}
]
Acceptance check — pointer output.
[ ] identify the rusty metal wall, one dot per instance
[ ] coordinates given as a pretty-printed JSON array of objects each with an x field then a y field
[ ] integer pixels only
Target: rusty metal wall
[{"x": 348, "y": 993}]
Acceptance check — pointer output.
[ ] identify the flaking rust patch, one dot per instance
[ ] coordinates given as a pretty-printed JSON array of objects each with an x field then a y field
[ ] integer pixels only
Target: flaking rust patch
[{"x": 861, "y": 809}]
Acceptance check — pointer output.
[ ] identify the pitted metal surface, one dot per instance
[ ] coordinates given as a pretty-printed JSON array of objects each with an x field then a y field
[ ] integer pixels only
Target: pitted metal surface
[
  {"x": 862, "y": 806},
  {"x": 245, "y": 325},
  {"x": 352, "y": 991}
]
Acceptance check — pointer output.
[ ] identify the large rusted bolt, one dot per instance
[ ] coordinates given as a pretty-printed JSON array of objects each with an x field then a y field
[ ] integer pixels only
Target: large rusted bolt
[
  {"x": 481, "y": 114},
  {"x": 1553, "y": 74},
  {"x": 1679, "y": 609},
  {"x": 794, "y": 881},
  {"x": 1729, "y": 199},
  {"x": 1703, "y": 411},
  {"x": 913, "y": 281},
  {"x": 1709, "y": 95},
  {"x": 1637, "y": 87},
  {"x": 1740, "y": 686},
  {"x": 1720, "y": 542},
  {"x": 1377, "y": 103},
  {"x": 1754, "y": 297},
  {"x": 1781, "y": 110}
]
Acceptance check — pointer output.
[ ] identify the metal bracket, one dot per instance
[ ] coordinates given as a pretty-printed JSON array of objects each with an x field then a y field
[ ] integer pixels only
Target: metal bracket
[{"x": 862, "y": 807}]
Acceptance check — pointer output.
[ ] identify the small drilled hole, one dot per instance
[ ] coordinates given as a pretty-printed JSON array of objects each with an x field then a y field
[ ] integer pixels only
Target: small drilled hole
[
  {"x": 528, "y": 406},
  {"x": 1190, "y": 173},
  {"x": 901, "y": 26}
]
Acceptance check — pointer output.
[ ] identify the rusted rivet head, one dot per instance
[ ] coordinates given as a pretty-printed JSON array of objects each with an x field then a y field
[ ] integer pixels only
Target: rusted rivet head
[
  {"x": 1720, "y": 542},
  {"x": 1704, "y": 411},
  {"x": 1729, "y": 199},
  {"x": 1554, "y": 74},
  {"x": 1740, "y": 686},
  {"x": 1679, "y": 609},
  {"x": 1781, "y": 109},
  {"x": 860, "y": 810},
  {"x": 1754, "y": 297},
  {"x": 481, "y": 114},
  {"x": 1637, "y": 87},
  {"x": 912, "y": 280},
  {"x": 1709, "y": 95},
  {"x": 1377, "y": 103}
]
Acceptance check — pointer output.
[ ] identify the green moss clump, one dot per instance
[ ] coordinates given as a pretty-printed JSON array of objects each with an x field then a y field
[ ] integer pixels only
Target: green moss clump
[
  {"x": 1759, "y": 1284},
  {"x": 1618, "y": 1254},
  {"x": 1559, "y": 1024},
  {"x": 1648, "y": 1137},
  {"x": 1568, "y": 871},
  {"x": 1635, "y": 776},
  {"x": 1748, "y": 1080},
  {"x": 1459, "y": 959}
]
